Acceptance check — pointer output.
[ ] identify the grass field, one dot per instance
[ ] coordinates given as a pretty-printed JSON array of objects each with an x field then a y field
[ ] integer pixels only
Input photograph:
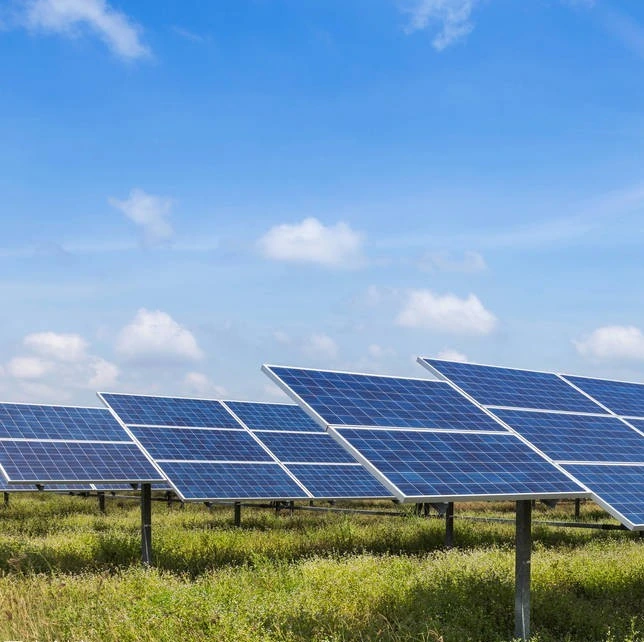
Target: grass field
[{"x": 69, "y": 573}]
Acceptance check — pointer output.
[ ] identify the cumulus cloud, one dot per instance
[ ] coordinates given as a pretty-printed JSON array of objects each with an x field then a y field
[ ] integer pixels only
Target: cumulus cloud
[
  {"x": 321, "y": 345},
  {"x": 198, "y": 383},
  {"x": 612, "y": 342},
  {"x": 450, "y": 17},
  {"x": 104, "y": 374},
  {"x": 28, "y": 367},
  {"x": 312, "y": 242},
  {"x": 154, "y": 336},
  {"x": 469, "y": 263},
  {"x": 72, "y": 17},
  {"x": 151, "y": 213},
  {"x": 62, "y": 347},
  {"x": 378, "y": 352},
  {"x": 452, "y": 355},
  {"x": 446, "y": 313}
]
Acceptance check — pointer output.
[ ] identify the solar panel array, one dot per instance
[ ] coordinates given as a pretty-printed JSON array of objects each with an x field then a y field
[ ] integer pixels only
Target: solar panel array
[
  {"x": 322, "y": 465},
  {"x": 67, "y": 445},
  {"x": 213, "y": 450},
  {"x": 422, "y": 439},
  {"x": 584, "y": 425}
]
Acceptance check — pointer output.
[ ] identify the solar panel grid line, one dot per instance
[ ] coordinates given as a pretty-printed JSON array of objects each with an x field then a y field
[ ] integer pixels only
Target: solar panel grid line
[
  {"x": 594, "y": 462},
  {"x": 215, "y": 461},
  {"x": 63, "y": 441},
  {"x": 459, "y": 431},
  {"x": 237, "y": 429},
  {"x": 268, "y": 450},
  {"x": 550, "y": 410}
]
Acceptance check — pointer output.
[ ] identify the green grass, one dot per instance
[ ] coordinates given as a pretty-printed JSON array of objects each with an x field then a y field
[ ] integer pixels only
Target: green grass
[{"x": 68, "y": 573}]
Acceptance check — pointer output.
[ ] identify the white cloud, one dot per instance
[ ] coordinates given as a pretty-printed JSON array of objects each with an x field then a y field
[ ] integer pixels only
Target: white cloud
[
  {"x": 613, "y": 342},
  {"x": 154, "y": 336},
  {"x": 150, "y": 213},
  {"x": 470, "y": 262},
  {"x": 452, "y": 355},
  {"x": 28, "y": 367},
  {"x": 321, "y": 345},
  {"x": 198, "y": 383},
  {"x": 378, "y": 352},
  {"x": 312, "y": 242},
  {"x": 71, "y": 17},
  {"x": 447, "y": 313},
  {"x": 104, "y": 374},
  {"x": 281, "y": 337},
  {"x": 61, "y": 347},
  {"x": 451, "y": 16}
]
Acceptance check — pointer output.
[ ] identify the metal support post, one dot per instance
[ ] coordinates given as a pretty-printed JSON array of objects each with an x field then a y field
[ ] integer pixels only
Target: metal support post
[
  {"x": 291, "y": 507},
  {"x": 237, "y": 517},
  {"x": 101, "y": 501},
  {"x": 449, "y": 525},
  {"x": 577, "y": 508},
  {"x": 146, "y": 524},
  {"x": 522, "y": 569},
  {"x": 6, "y": 499}
]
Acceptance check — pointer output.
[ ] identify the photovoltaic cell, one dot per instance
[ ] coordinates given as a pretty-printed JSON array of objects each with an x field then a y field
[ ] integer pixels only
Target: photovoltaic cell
[
  {"x": 638, "y": 423},
  {"x": 622, "y": 398},
  {"x": 305, "y": 447},
  {"x": 28, "y": 421},
  {"x": 443, "y": 464},
  {"x": 202, "y": 481},
  {"x": 169, "y": 411},
  {"x": 25, "y": 461},
  {"x": 621, "y": 487},
  {"x": 339, "y": 481},
  {"x": 495, "y": 386},
  {"x": 273, "y": 416},
  {"x": 187, "y": 443},
  {"x": 566, "y": 437},
  {"x": 370, "y": 400}
]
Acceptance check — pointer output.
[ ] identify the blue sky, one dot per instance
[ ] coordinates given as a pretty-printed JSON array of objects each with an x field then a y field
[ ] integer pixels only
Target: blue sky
[{"x": 191, "y": 189}]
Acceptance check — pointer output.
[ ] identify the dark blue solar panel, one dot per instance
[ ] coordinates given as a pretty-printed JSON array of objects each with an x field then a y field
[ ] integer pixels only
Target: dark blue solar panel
[
  {"x": 272, "y": 416},
  {"x": 622, "y": 487},
  {"x": 66, "y": 461},
  {"x": 620, "y": 397},
  {"x": 638, "y": 423},
  {"x": 493, "y": 386},
  {"x": 334, "y": 481},
  {"x": 169, "y": 411},
  {"x": 232, "y": 481},
  {"x": 27, "y": 421},
  {"x": 300, "y": 447},
  {"x": 188, "y": 443},
  {"x": 433, "y": 464},
  {"x": 577, "y": 437},
  {"x": 368, "y": 400}
]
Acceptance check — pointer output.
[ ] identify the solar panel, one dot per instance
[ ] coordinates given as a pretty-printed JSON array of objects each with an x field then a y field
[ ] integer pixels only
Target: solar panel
[
  {"x": 208, "y": 480},
  {"x": 622, "y": 398},
  {"x": 496, "y": 386},
  {"x": 348, "y": 399},
  {"x": 451, "y": 465},
  {"x": 619, "y": 489},
  {"x": 339, "y": 481},
  {"x": 60, "y": 444},
  {"x": 453, "y": 457},
  {"x": 566, "y": 437},
  {"x": 273, "y": 416},
  {"x": 146, "y": 410},
  {"x": 305, "y": 447},
  {"x": 36, "y": 461},
  {"x": 191, "y": 444}
]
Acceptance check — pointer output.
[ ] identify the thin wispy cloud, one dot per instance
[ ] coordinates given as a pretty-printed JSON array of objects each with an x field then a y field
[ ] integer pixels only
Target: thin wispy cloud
[
  {"x": 73, "y": 18},
  {"x": 151, "y": 213},
  {"x": 450, "y": 19}
]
